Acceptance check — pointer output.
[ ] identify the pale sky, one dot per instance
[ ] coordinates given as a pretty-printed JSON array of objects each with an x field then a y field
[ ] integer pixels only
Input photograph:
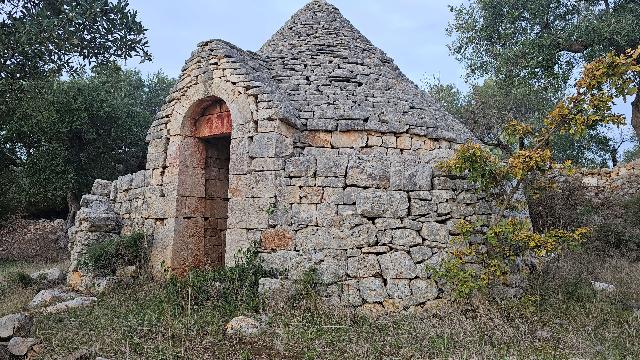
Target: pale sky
[{"x": 412, "y": 32}]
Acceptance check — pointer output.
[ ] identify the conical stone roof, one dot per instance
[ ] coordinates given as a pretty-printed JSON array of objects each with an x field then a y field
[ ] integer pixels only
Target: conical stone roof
[{"x": 338, "y": 80}]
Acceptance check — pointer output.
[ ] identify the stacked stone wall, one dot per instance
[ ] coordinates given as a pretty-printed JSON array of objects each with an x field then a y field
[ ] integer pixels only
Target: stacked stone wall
[
  {"x": 369, "y": 212},
  {"x": 603, "y": 184}
]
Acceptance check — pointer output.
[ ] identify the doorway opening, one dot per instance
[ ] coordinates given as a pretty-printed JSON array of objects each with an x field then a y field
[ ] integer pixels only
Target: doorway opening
[{"x": 213, "y": 128}]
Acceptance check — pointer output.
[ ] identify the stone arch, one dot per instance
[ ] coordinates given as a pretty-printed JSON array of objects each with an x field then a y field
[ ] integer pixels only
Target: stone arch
[{"x": 203, "y": 142}]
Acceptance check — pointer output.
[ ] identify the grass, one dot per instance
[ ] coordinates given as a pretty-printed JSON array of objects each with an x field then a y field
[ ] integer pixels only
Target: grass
[
  {"x": 560, "y": 317},
  {"x": 16, "y": 289}
]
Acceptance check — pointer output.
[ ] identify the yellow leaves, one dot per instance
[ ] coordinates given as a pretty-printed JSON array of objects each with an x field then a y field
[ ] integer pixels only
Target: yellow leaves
[
  {"x": 517, "y": 129},
  {"x": 524, "y": 162}
]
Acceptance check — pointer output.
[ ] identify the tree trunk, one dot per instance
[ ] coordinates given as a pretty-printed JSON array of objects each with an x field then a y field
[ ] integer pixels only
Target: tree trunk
[
  {"x": 614, "y": 157},
  {"x": 635, "y": 114},
  {"x": 74, "y": 205}
]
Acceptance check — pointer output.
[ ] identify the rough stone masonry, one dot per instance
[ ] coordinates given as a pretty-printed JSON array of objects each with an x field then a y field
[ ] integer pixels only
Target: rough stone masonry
[{"x": 317, "y": 149}]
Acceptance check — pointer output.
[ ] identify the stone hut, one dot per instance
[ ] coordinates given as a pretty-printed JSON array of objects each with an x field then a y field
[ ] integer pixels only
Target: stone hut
[{"x": 316, "y": 149}]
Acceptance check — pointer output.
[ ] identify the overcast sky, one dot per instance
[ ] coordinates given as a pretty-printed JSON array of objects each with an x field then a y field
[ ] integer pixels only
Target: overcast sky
[{"x": 412, "y": 32}]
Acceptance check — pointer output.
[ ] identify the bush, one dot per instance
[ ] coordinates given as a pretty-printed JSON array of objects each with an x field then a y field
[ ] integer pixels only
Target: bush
[
  {"x": 106, "y": 257},
  {"x": 232, "y": 289},
  {"x": 20, "y": 278}
]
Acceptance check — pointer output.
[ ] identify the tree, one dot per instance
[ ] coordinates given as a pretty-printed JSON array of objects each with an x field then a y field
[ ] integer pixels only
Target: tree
[
  {"x": 487, "y": 107},
  {"x": 543, "y": 42},
  {"x": 43, "y": 38},
  {"x": 69, "y": 132},
  {"x": 507, "y": 237}
]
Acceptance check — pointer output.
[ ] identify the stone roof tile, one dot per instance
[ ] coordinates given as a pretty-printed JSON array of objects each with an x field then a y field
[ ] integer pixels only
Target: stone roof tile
[{"x": 338, "y": 80}]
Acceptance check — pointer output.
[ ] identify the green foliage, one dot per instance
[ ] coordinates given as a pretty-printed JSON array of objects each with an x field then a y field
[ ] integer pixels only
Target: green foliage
[
  {"x": 66, "y": 133},
  {"x": 47, "y": 38},
  {"x": 231, "y": 289},
  {"x": 506, "y": 239},
  {"x": 534, "y": 49},
  {"x": 19, "y": 278},
  {"x": 107, "y": 256},
  {"x": 465, "y": 281}
]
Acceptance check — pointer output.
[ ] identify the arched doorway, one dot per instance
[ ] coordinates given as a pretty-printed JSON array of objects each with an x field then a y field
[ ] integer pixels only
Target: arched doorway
[
  {"x": 213, "y": 128},
  {"x": 204, "y": 187}
]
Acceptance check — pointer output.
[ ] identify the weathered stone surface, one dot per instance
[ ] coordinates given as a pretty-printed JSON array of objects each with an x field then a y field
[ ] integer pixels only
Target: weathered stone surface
[
  {"x": 423, "y": 290},
  {"x": 48, "y": 296},
  {"x": 20, "y": 346},
  {"x": 277, "y": 239},
  {"x": 375, "y": 203},
  {"x": 363, "y": 266},
  {"x": 368, "y": 171},
  {"x": 434, "y": 232},
  {"x": 15, "y": 325},
  {"x": 51, "y": 275},
  {"x": 398, "y": 288},
  {"x": 372, "y": 290},
  {"x": 243, "y": 326},
  {"x": 421, "y": 253},
  {"x": 406, "y": 237},
  {"x": 397, "y": 265},
  {"x": 78, "y": 302}
]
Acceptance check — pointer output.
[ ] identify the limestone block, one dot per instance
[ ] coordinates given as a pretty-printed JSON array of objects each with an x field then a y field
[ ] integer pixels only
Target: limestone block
[
  {"x": 363, "y": 266},
  {"x": 239, "y": 163},
  {"x": 397, "y": 265},
  {"x": 377, "y": 203},
  {"x": 398, "y": 288},
  {"x": 349, "y": 139},
  {"x": 331, "y": 182},
  {"x": 332, "y": 270},
  {"x": 333, "y": 196},
  {"x": 311, "y": 195},
  {"x": 404, "y": 142},
  {"x": 369, "y": 171},
  {"x": 423, "y": 291},
  {"x": 330, "y": 164},
  {"x": 420, "y": 253},
  {"x": 372, "y": 290},
  {"x": 267, "y": 164},
  {"x": 157, "y": 153},
  {"x": 422, "y": 207},
  {"x": 270, "y": 145},
  {"x": 410, "y": 174},
  {"x": 101, "y": 188},
  {"x": 351, "y": 293},
  {"x": 374, "y": 140},
  {"x": 300, "y": 166},
  {"x": 277, "y": 239},
  {"x": 434, "y": 232},
  {"x": 304, "y": 214},
  {"x": 320, "y": 139},
  {"x": 406, "y": 237},
  {"x": 237, "y": 241}
]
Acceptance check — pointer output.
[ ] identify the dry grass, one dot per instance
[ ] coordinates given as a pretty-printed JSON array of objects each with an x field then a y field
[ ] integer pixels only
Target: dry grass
[
  {"x": 561, "y": 317},
  {"x": 15, "y": 296}
]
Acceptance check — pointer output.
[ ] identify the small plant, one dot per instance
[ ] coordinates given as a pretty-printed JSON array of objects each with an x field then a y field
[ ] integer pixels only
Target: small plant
[
  {"x": 20, "y": 278},
  {"x": 233, "y": 289},
  {"x": 106, "y": 257}
]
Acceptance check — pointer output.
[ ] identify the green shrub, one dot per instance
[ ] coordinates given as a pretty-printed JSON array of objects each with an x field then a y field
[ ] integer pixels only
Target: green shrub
[
  {"x": 232, "y": 289},
  {"x": 106, "y": 257},
  {"x": 20, "y": 278}
]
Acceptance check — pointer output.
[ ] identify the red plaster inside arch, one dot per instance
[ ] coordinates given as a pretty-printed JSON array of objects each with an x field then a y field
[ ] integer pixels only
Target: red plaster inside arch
[{"x": 214, "y": 121}]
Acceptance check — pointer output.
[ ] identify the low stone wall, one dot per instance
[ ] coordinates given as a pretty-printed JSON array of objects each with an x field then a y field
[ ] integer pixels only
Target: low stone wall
[
  {"x": 622, "y": 181},
  {"x": 112, "y": 209}
]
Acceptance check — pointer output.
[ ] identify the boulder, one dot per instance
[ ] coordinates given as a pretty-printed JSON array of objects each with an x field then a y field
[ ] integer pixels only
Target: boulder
[
  {"x": 15, "y": 325},
  {"x": 243, "y": 326},
  {"x": 20, "y": 346},
  {"x": 48, "y": 296},
  {"x": 81, "y": 301},
  {"x": 604, "y": 287},
  {"x": 53, "y": 275}
]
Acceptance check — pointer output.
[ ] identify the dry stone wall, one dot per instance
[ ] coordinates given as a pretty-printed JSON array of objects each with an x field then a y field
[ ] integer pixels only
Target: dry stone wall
[
  {"x": 112, "y": 209},
  {"x": 621, "y": 181},
  {"x": 369, "y": 212}
]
